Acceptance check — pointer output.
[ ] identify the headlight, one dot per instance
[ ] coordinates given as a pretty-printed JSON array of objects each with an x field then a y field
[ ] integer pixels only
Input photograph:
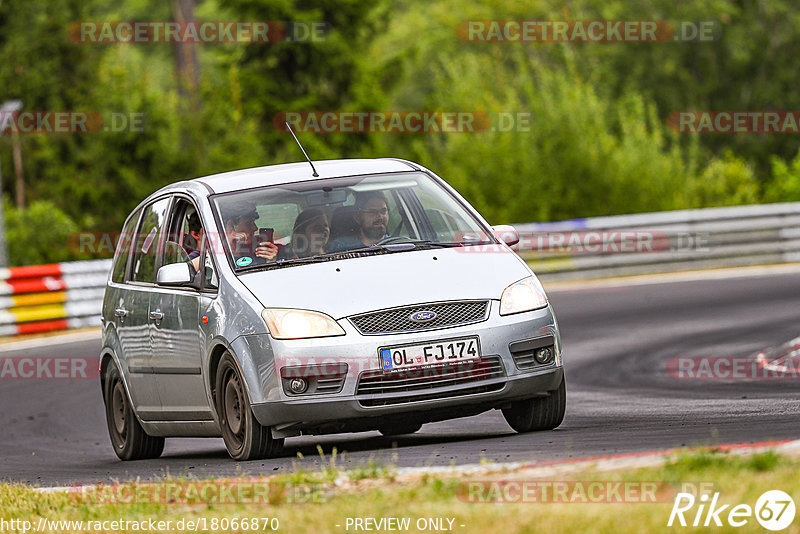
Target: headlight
[
  {"x": 525, "y": 295},
  {"x": 299, "y": 324}
]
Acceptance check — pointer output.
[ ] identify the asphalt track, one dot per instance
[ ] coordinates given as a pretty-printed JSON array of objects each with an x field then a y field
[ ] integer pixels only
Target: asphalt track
[{"x": 620, "y": 397}]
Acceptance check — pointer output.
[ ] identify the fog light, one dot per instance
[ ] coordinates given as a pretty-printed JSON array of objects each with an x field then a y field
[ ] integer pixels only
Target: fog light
[
  {"x": 544, "y": 355},
  {"x": 298, "y": 385}
]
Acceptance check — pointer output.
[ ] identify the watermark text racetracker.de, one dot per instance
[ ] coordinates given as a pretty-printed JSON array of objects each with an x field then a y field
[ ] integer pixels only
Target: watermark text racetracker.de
[
  {"x": 732, "y": 368},
  {"x": 620, "y": 241},
  {"x": 576, "y": 491},
  {"x": 592, "y": 31},
  {"x": 106, "y": 243},
  {"x": 197, "y": 31},
  {"x": 209, "y": 492},
  {"x": 48, "y": 367},
  {"x": 403, "y": 121},
  {"x": 304, "y": 372},
  {"x": 72, "y": 122},
  {"x": 545, "y": 242},
  {"x": 735, "y": 121}
]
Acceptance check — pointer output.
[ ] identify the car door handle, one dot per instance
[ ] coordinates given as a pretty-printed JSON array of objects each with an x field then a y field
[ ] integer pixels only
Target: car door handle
[
  {"x": 120, "y": 312},
  {"x": 157, "y": 315}
]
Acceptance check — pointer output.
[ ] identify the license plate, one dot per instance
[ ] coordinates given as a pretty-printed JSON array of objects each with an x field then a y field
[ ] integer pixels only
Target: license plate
[{"x": 431, "y": 353}]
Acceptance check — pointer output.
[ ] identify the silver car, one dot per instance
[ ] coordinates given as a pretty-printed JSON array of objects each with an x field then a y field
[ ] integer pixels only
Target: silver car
[{"x": 362, "y": 295}]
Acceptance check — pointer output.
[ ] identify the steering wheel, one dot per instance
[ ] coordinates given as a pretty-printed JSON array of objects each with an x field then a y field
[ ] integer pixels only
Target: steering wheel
[{"x": 392, "y": 239}]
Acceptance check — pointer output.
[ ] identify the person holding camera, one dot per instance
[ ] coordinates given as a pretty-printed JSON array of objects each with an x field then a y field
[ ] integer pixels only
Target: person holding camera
[{"x": 239, "y": 221}]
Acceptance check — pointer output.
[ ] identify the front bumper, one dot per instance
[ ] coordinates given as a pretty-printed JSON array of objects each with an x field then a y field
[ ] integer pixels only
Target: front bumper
[
  {"x": 347, "y": 414},
  {"x": 346, "y": 410}
]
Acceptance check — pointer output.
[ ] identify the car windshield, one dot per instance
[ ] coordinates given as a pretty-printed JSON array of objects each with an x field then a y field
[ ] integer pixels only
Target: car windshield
[{"x": 322, "y": 220}]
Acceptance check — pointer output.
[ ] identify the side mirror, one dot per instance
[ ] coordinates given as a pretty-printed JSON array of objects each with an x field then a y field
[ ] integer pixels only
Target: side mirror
[
  {"x": 506, "y": 233},
  {"x": 174, "y": 274}
]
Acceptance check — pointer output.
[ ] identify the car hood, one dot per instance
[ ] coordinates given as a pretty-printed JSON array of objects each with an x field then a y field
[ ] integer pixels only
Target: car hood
[{"x": 347, "y": 287}]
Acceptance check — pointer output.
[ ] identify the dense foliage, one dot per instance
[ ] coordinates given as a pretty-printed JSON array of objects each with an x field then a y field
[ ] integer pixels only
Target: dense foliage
[{"x": 597, "y": 143}]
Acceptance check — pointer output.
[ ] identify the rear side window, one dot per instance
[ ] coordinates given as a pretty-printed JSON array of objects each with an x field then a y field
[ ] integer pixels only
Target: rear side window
[
  {"x": 147, "y": 241},
  {"x": 124, "y": 249}
]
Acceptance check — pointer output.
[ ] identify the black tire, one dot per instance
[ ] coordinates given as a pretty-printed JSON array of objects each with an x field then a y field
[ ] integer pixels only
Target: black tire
[
  {"x": 128, "y": 438},
  {"x": 245, "y": 438},
  {"x": 539, "y": 413},
  {"x": 399, "y": 430}
]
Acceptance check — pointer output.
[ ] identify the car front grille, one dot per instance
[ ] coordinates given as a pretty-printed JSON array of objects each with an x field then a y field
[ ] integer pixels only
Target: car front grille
[
  {"x": 398, "y": 320},
  {"x": 397, "y": 387}
]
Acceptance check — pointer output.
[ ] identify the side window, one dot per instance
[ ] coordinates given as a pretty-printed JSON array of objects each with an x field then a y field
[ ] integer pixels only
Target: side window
[
  {"x": 123, "y": 250},
  {"x": 443, "y": 224},
  {"x": 441, "y": 217},
  {"x": 399, "y": 221},
  {"x": 187, "y": 241},
  {"x": 185, "y": 232},
  {"x": 147, "y": 241}
]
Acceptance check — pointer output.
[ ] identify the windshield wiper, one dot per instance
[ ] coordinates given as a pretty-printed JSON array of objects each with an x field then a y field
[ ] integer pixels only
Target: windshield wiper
[
  {"x": 431, "y": 243},
  {"x": 441, "y": 244},
  {"x": 388, "y": 248},
  {"x": 319, "y": 258}
]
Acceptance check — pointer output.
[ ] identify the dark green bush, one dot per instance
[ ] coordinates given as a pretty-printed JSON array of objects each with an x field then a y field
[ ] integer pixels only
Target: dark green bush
[{"x": 38, "y": 234}]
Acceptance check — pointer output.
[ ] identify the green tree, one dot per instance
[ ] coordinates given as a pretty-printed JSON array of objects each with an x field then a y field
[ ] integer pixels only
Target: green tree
[{"x": 785, "y": 184}]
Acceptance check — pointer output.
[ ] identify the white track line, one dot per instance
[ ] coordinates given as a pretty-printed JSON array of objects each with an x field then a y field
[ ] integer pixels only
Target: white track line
[{"x": 49, "y": 341}]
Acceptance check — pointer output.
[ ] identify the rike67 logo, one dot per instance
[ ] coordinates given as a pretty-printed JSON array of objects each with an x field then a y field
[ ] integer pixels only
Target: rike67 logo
[{"x": 774, "y": 510}]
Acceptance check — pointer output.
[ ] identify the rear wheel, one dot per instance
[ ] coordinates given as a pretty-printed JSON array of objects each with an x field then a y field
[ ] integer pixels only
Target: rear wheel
[
  {"x": 129, "y": 439},
  {"x": 399, "y": 430},
  {"x": 245, "y": 438},
  {"x": 540, "y": 413}
]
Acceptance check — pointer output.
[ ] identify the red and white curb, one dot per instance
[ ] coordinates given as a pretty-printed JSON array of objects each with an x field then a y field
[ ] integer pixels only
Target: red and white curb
[{"x": 776, "y": 359}]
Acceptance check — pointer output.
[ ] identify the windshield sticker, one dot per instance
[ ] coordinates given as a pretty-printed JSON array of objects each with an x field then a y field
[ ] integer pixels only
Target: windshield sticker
[{"x": 244, "y": 262}]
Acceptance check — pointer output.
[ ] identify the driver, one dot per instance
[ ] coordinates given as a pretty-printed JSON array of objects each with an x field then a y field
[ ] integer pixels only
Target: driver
[{"x": 372, "y": 218}]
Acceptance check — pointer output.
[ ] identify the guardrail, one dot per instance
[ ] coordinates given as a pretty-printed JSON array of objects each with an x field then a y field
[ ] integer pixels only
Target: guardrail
[
  {"x": 69, "y": 295},
  {"x": 662, "y": 242}
]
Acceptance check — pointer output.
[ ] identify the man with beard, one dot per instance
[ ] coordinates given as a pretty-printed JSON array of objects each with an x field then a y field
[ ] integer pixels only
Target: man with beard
[{"x": 372, "y": 218}]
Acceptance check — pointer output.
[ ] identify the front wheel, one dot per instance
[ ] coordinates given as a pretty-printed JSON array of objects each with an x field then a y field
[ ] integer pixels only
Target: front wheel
[
  {"x": 539, "y": 413},
  {"x": 245, "y": 438},
  {"x": 129, "y": 439}
]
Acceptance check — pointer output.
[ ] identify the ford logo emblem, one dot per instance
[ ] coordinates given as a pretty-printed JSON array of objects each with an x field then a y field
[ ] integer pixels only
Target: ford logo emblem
[{"x": 422, "y": 316}]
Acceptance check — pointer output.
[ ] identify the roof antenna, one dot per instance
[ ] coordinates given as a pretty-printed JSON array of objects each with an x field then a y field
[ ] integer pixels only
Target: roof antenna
[{"x": 315, "y": 175}]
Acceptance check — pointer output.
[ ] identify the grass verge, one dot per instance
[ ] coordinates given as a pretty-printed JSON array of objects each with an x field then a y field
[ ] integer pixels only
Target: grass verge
[{"x": 330, "y": 500}]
